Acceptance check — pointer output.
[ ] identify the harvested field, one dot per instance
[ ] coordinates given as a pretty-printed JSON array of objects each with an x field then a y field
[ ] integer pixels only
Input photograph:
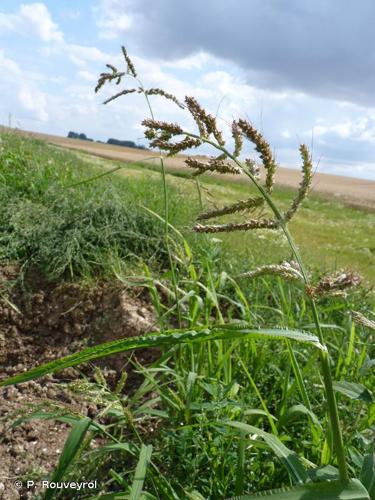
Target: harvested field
[{"x": 359, "y": 193}]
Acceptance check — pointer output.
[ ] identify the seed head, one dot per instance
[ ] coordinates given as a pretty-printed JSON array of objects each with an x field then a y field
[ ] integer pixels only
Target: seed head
[
  {"x": 206, "y": 123},
  {"x": 286, "y": 270},
  {"x": 304, "y": 184},
  {"x": 244, "y": 226},
  {"x": 241, "y": 206},
  {"x": 253, "y": 168},
  {"x": 335, "y": 284},
  {"x": 213, "y": 165},
  {"x": 263, "y": 148},
  {"x": 362, "y": 320},
  {"x": 238, "y": 142},
  {"x": 123, "y": 92},
  {"x": 157, "y": 91},
  {"x": 130, "y": 66}
]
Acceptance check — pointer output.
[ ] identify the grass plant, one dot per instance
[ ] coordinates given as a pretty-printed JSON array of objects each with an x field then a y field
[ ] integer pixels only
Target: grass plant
[{"x": 272, "y": 365}]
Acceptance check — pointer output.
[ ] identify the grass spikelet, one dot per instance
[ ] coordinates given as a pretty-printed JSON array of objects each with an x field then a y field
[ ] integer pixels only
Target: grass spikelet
[
  {"x": 263, "y": 148},
  {"x": 115, "y": 96},
  {"x": 238, "y": 141},
  {"x": 253, "y": 168},
  {"x": 335, "y": 284},
  {"x": 243, "y": 226},
  {"x": 240, "y": 206},
  {"x": 130, "y": 66},
  {"x": 213, "y": 165},
  {"x": 166, "y": 129},
  {"x": 108, "y": 77},
  {"x": 206, "y": 123},
  {"x": 170, "y": 97},
  {"x": 305, "y": 183},
  {"x": 286, "y": 270},
  {"x": 362, "y": 320}
]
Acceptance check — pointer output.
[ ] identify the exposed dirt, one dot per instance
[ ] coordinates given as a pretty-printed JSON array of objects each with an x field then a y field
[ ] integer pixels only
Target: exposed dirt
[
  {"x": 359, "y": 193},
  {"x": 56, "y": 321}
]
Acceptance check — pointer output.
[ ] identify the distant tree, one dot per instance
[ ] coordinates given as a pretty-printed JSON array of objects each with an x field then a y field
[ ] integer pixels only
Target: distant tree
[
  {"x": 75, "y": 135},
  {"x": 126, "y": 144}
]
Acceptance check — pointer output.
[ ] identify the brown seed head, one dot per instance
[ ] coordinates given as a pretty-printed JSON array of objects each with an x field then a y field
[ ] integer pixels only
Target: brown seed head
[
  {"x": 213, "y": 165},
  {"x": 304, "y": 184},
  {"x": 244, "y": 226},
  {"x": 241, "y": 206},
  {"x": 129, "y": 63},
  {"x": 238, "y": 142},
  {"x": 286, "y": 270},
  {"x": 263, "y": 148},
  {"x": 157, "y": 91},
  {"x": 335, "y": 284}
]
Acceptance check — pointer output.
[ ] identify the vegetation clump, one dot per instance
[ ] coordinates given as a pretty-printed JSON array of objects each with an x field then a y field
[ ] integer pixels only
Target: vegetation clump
[{"x": 265, "y": 376}]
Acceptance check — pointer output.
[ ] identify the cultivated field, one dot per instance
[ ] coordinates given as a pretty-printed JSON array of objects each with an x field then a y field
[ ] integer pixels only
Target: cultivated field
[{"x": 355, "y": 192}]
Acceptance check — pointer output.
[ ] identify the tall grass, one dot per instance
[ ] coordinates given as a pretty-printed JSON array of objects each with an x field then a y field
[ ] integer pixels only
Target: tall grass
[{"x": 252, "y": 373}]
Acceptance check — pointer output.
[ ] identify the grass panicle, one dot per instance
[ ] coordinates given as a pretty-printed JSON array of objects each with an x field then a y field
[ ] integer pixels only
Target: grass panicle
[
  {"x": 286, "y": 270},
  {"x": 305, "y": 184},
  {"x": 241, "y": 206},
  {"x": 263, "y": 148},
  {"x": 335, "y": 284}
]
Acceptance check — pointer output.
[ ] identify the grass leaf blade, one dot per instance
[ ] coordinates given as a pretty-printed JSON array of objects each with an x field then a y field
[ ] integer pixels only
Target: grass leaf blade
[
  {"x": 168, "y": 338},
  {"x": 70, "y": 450},
  {"x": 327, "y": 490}
]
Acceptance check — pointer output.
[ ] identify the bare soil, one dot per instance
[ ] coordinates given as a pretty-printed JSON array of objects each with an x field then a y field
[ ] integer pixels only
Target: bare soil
[
  {"x": 55, "y": 321},
  {"x": 359, "y": 193}
]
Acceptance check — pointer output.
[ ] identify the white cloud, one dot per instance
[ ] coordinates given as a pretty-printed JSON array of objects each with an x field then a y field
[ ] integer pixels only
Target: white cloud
[
  {"x": 86, "y": 75},
  {"x": 112, "y": 25},
  {"x": 81, "y": 55},
  {"x": 32, "y": 19},
  {"x": 8, "y": 66},
  {"x": 37, "y": 19},
  {"x": 35, "y": 101}
]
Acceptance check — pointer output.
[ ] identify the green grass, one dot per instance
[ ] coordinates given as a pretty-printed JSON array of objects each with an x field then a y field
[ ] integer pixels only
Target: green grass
[
  {"x": 211, "y": 419},
  {"x": 67, "y": 228},
  {"x": 330, "y": 235}
]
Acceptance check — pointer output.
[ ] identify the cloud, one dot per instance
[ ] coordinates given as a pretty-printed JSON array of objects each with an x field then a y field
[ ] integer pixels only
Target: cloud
[
  {"x": 32, "y": 19},
  {"x": 321, "y": 48},
  {"x": 37, "y": 17},
  {"x": 35, "y": 20},
  {"x": 35, "y": 101}
]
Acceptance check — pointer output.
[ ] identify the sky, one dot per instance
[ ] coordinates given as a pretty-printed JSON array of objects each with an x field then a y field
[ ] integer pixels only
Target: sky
[{"x": 299, "y": 70}]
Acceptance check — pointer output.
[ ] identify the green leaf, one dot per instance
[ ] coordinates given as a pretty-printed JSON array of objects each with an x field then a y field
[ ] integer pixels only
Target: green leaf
[
  {"x": 168, "y": 338},
  {"x": 353, "y": 390},
  {"x": 323, "y": 473},
  {"x": 288, "y": 457},
  {"x": 296, "y": 410},
  {"x": 368, "y": 474},
  {"x": 140, "y": 472},
  {"x": 70, "y": 450},
  {"x": 328, "y": 490}
]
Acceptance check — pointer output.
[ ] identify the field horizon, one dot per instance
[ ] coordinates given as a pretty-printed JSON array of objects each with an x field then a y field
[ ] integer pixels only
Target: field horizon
[{"x": 351, "y": 191}]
